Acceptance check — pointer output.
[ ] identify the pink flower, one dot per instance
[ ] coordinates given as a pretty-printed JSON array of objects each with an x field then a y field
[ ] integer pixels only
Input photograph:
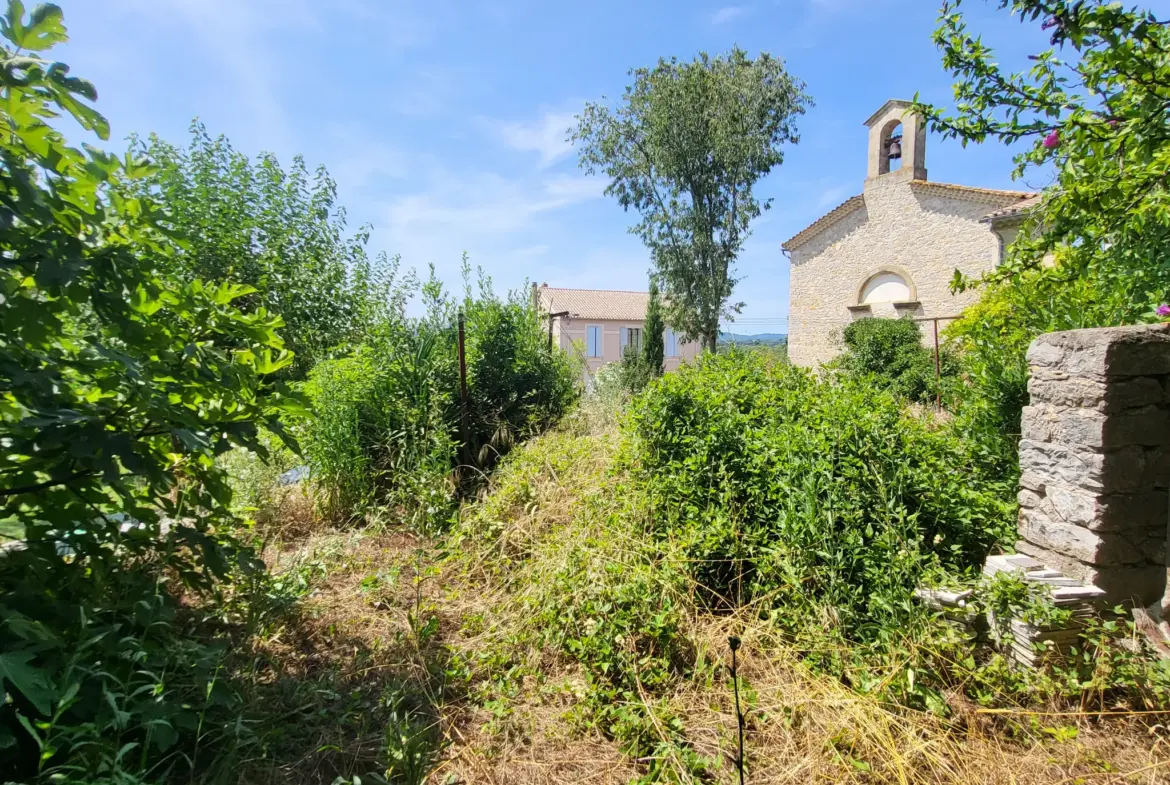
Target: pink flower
[
  {"x": 1162, "y": 310},
  {"x": 1052, "y": 140}
]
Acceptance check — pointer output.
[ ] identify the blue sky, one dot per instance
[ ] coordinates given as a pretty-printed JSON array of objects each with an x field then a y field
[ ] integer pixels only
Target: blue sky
[{"x": 443, "y": 120}]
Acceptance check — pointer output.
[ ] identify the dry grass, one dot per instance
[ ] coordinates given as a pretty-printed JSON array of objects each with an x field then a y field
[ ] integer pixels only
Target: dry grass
[{"x": 534, "y": 728}]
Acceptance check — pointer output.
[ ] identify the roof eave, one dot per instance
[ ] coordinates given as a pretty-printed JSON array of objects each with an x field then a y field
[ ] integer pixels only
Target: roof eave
[{"x": 829, "y": 219}]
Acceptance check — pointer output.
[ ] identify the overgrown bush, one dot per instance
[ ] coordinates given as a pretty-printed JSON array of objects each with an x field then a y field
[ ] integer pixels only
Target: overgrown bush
[
  {"x": 382, "y": 431},
  {"x": 387, "y": 427},
  {"x": 822, "y": 497},
  {"x": 121, "y": 384},
  {"x": 993, "y": 336},
  {"x": 276, "y": 230},
  {"x": 891, "y": 351}
]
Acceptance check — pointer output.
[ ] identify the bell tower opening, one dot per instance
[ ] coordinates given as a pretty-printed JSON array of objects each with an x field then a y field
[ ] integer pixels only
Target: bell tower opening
[
  {"x": 897, "y": 142},
  {"x": 891, "y": 151}
]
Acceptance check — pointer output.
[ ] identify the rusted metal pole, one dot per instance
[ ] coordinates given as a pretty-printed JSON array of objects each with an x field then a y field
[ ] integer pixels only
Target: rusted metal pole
[
  {"x": 937, "y": 358},
  {"x": 937, "y": 371}
]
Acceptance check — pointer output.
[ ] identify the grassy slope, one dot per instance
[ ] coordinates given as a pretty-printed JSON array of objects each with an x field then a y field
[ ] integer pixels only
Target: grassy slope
[{"x": 492, "y": 690}]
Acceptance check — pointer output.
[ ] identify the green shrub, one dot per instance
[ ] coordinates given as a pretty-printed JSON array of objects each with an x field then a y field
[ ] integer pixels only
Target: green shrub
[
  {"x": 387, "y": 427},
  {"x": 518, "y": 386},
  {"x": 821, "y": 497},
  {"x": 381, "y": 429},
  {"x": 891, "y": 351},
  {"x": 121, "y": 386}
]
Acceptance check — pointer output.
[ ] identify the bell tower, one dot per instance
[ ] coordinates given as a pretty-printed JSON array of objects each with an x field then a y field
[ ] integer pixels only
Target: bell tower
[{"x": 897, "y": 143}]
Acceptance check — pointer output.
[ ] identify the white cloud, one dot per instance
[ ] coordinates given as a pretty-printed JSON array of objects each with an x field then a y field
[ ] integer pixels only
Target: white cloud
[
  {"x": 546, "y": 136},
  {"x": 485, "y": 204},
  {"x": 365, "y": 158},
  {"x": 726, "y": 14},
  {"x": 834, "y": 195}
]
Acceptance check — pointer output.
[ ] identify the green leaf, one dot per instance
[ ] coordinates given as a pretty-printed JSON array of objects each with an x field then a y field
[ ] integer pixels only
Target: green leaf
[
  {"x": 27, "y": 679},
  {"x": 228, "y": 291},
  {"x": 141, "y": 302}
]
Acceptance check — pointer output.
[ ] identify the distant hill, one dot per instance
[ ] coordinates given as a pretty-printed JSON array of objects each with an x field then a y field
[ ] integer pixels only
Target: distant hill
[{"x": 762, "y": 339}]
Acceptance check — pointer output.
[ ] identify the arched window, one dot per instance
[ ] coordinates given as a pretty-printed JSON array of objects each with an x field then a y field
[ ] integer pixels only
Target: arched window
[{"x": 886, "y": 287}]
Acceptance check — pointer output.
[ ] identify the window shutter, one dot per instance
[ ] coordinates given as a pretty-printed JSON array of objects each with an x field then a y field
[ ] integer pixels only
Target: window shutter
[{"x": 625, "y": 339}]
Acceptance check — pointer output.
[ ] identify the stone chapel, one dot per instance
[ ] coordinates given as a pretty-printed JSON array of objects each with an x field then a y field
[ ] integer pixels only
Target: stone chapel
[{"x": 893, "y": 249}]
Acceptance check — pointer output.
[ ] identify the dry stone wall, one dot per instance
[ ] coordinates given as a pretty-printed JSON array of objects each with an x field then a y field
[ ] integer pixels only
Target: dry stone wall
[{"x": 1095, "y": 458}]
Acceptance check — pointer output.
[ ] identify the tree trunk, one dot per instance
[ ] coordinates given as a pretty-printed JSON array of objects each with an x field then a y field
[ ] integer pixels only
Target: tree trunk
[{"x": 710, "y": 342}]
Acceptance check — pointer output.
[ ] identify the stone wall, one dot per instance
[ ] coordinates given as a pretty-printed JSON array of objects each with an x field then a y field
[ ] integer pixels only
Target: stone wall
[
  {"x": 1095, "y": 458},
  {"x": 927, "y": 229}
]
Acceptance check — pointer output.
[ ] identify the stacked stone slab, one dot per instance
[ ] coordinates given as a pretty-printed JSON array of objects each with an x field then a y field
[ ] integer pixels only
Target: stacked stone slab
[{"x": 1095, "y": 458}]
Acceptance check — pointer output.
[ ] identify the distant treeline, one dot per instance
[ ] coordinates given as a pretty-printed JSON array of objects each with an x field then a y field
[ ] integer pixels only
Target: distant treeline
[{"x": 763, "y": 339}]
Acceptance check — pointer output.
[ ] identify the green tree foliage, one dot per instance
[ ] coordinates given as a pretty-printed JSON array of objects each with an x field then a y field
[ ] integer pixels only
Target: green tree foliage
[
  {"x": 821, "y": 494},
  {"x": 890, "y": 351},
  {"x": 118, "y": 387},
  {"x": 654, "y": 332},
  {"x": 1092, "y": 110},
  {"x": 387, "y": 430},
  {"x": 685, "y": 147},
  {"x": 278, "y": 231},
  {"x": 993, "y": 337}
]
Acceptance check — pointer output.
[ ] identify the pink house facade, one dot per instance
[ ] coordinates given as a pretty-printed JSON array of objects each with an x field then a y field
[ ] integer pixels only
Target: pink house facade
[{"x": 597, "y": 325}]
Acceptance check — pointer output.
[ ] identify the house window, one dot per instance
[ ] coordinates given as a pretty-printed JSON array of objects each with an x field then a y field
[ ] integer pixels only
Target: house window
[
  {"x": 631, "y": 336},
  {"x": 593, "y": 341},
  {"x": 671, "y": 343}
]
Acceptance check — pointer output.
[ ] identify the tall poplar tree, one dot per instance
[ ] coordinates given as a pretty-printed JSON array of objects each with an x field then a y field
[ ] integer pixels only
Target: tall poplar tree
[{"x": 684, "y": 148}]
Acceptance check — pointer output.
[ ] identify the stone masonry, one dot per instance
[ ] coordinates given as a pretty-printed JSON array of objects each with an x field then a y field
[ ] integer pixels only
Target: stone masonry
[
  {"x": 1095, "y": 458},
  {"x": 900, "y": 224}
]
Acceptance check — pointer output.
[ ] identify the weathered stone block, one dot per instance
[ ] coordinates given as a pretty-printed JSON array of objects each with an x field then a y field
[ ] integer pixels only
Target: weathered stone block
[
  {"x": 1073, "y": 505},
  {"x": 1081, "y": 468},
  {"x": 1093, "y": 428},
  {"x": 1033, "y": 481},
  {"x": 1047, "y": 386},
  {"x": 1029, "y": 499},
  {"x": 1078, "y": 542},
  {"x": 1146, "y": 510},
  {"x": 1158, "y": 468},
  {"x": 1149, "y": 426},
  {"x": 1142, "y": 350},
  {"x": 1125, "y": 470}
]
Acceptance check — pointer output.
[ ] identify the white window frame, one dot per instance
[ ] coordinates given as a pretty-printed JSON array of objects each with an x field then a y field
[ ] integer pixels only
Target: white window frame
[
  {"x": 627, "y": 334},
  {"x": 671, "y": 339},
  {"x": 594, "y": 349}
]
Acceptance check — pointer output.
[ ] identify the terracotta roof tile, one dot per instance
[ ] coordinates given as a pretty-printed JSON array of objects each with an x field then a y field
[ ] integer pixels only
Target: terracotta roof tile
[
  {"x": 594, "y": 303},
  {"x": 969, "y": 191},
  {"x": 1013, "y": 210}
]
